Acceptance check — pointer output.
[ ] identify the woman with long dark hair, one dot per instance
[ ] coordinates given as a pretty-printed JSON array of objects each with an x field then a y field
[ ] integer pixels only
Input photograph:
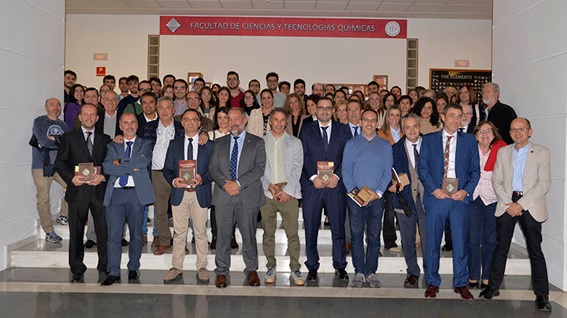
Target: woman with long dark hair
[{"x": 76, "y": 94}]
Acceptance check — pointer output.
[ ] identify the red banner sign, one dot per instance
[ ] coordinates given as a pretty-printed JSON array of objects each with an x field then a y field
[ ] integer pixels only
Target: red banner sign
[{"x": 292, "y": 27}]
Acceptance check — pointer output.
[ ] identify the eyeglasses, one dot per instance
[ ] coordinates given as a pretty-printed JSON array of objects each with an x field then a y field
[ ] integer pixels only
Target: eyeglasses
[
  {"x": 485, "y": 131},
  {"x": 145, "y": 89},
  {"x": 328, "y": 109},
  {"x": 193, "y": 120},
  {"x": 194, "y": 99},
  {"x": 369, "y": 120},
  {"x": 521, "y": 129}
]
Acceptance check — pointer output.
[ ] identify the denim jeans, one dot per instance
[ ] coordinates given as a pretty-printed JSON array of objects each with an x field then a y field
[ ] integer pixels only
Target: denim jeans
[
  {"x": 367, "y": 218},
  {"x": 482, "y": 239}
]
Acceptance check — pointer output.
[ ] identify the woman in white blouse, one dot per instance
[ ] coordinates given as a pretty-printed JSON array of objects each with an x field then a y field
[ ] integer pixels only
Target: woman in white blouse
[{"x": 482, "y": 222}]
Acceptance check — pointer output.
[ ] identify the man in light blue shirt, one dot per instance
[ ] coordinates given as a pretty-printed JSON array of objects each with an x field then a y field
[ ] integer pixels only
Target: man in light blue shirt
[{"x": 367, "y": 161}]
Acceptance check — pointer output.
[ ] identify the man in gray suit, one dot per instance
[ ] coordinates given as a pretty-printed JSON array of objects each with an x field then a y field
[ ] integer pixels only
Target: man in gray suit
[
  {"x": 282, "y": 189},
  {"x": 236, "y": 165},
  {"x": 128, "y": 191},
  {"x": 521, "y": 180}
]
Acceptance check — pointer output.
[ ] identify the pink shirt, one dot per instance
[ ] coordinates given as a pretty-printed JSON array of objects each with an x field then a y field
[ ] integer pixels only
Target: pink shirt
[{"x": 484, "y": 188}]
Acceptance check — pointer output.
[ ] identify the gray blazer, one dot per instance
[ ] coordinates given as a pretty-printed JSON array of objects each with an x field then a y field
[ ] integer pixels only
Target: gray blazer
[
  {"x": 141, "y": 160},
  {"x": 536, "y": 180},
  {"x": 250, "y": 169},
  {"x": 293, "y": 165}
]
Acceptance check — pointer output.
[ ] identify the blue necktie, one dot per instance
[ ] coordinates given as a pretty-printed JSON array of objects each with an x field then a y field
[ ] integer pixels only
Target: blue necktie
[
  {"x": 190, "y": 149},
  {"x": 234, "y": 160},
  {"x": 355, "y": 131},
  {"x": 325, "y": 138},
  {"x": 123, "y": 181}
]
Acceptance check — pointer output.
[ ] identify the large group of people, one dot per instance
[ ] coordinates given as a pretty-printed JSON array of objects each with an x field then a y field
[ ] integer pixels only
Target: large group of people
[{"x": 470, "y": 173}]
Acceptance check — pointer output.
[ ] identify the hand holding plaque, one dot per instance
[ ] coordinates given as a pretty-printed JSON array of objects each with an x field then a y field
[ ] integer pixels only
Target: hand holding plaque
[
  {"x": 188, "y": 171},
  {"x": 450, "y": 186},
  {"x": 325, "y": 170}
]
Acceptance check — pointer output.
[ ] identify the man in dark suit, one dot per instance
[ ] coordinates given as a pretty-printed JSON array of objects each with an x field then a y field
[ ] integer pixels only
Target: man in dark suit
[
  {"x": 445, "y": 155},
  {"x": 149, "y": 113},
  {"x": 108, "y": 122},
  {"x": 324, "y": 140},
  {"x": 237, "y": 164},
  {"x": 128, "y": 191},
  {"x": 189, "y": 200},
  {"x": 406, "y": 156},
  {"x": 501, "y": 115},
  {"x": 83, "y": 146}
]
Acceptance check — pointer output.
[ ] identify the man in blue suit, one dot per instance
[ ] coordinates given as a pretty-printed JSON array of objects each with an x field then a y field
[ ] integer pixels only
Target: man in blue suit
[
  {"x": 128, "y": 191},
  {"x": 324, "y": 140},
  {"x": 448, "y": 154},
  {"x": 189, "y": 200}
]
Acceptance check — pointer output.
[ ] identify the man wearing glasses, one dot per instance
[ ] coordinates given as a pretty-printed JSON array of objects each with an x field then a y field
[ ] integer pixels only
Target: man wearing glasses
[
  {"x": 324, "y": 141},
  {"x": 272, "y": 80},
  {"x": 521, "y": 180}
]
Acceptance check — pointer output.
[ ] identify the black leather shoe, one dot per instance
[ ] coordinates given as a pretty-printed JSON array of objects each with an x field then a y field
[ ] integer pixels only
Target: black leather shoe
[
  {"x": 543, "y": 304},
  {"x": 341, "y": 273},
  {"x": 111, "y": 279},
  {"x": 103, "y": 272},
  {"x": 77, "y": 278},
  {"x": 312, "y": 275},
  {"x": 489, "y": 292},
  {"x": 133, "y": 275},
  {"x": 412, "y": 281},
  {"x": 473, "y": 285},
  {"x": 124, "y": 242},
  {"x": 213, "y": 245},
  {"x": 447, "y": 248},
  {"x": 90, "y": 244}
]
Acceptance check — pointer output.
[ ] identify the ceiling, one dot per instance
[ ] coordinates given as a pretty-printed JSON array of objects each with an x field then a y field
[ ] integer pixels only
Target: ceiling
[{"x": 436, "y": 9}]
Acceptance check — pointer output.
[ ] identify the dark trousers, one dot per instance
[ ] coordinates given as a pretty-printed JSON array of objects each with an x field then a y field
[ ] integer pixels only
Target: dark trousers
[
  {"x": 482, "y": 239},
  {"x": 124, "y": 207},
  {"x": 389, "y": 225},
  {"x": 365, "y": 219},
  {"x": 313, "y": 202},
  {"x": 247, "y": 218},
  {"x": 78, "y": 214},
  {"x": 408, "y": 226},
  {"x": 213, "y": 219},
  {"x": 532, "y": 233}
]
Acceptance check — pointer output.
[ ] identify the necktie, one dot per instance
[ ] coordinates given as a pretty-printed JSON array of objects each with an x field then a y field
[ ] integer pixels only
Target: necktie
[
  {"x": 234, "y": 160},
  {"x": 190, "y": 149},
  {"x": 415, "y": 155},
  {"x": 325, "y": 138},
  {"x": 355, "y": 131},
  {"x": 446, "y": 155},
  {"x": 89, "y": 142},
  {"x": 123, "y": 181}
]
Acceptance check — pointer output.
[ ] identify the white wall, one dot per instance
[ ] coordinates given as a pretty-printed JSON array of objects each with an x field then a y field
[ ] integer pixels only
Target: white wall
[
  {"x": 314, "y": 59},
  {"x": 31, "y": 58},
  {"x": 530, "y": 64},
  {"x": 443, "y": 41}
]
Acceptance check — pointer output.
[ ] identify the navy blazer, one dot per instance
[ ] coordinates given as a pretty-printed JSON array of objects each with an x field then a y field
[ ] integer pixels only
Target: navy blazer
[
  {"x": 314, "y": 150},
  {"x": 137, "y": 166},
  {"x": 176, "y": 152},
  {"x": 401, "y": 164},
  {"x": 430, "y": 166}
]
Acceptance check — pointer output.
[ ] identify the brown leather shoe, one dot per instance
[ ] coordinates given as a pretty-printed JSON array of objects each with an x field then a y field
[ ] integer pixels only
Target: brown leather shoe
[
  {"x": 348, "y": 246},
  {"x": 155, "y": 242},
  {"x": 186, "y": 251},
  {"x": 253, "y": 279},
  {"x": 431, "y": 291},
  {"x": 162, "y": 249},
  {"x": 411, "y": 282},
  {"x": 144, "y": 240},
  {"x": 464, "y": 292},
  {"x": 220, "y": 282}
]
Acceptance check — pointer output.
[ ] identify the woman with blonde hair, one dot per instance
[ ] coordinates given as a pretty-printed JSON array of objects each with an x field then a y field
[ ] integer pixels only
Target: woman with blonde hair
[{"x": 295, "y": 107}]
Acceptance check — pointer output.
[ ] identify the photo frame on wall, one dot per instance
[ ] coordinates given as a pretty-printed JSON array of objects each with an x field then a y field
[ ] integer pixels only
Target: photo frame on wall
[
  {"x": 191, "y": 77},
  {"x": 382, "y": 80}
]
